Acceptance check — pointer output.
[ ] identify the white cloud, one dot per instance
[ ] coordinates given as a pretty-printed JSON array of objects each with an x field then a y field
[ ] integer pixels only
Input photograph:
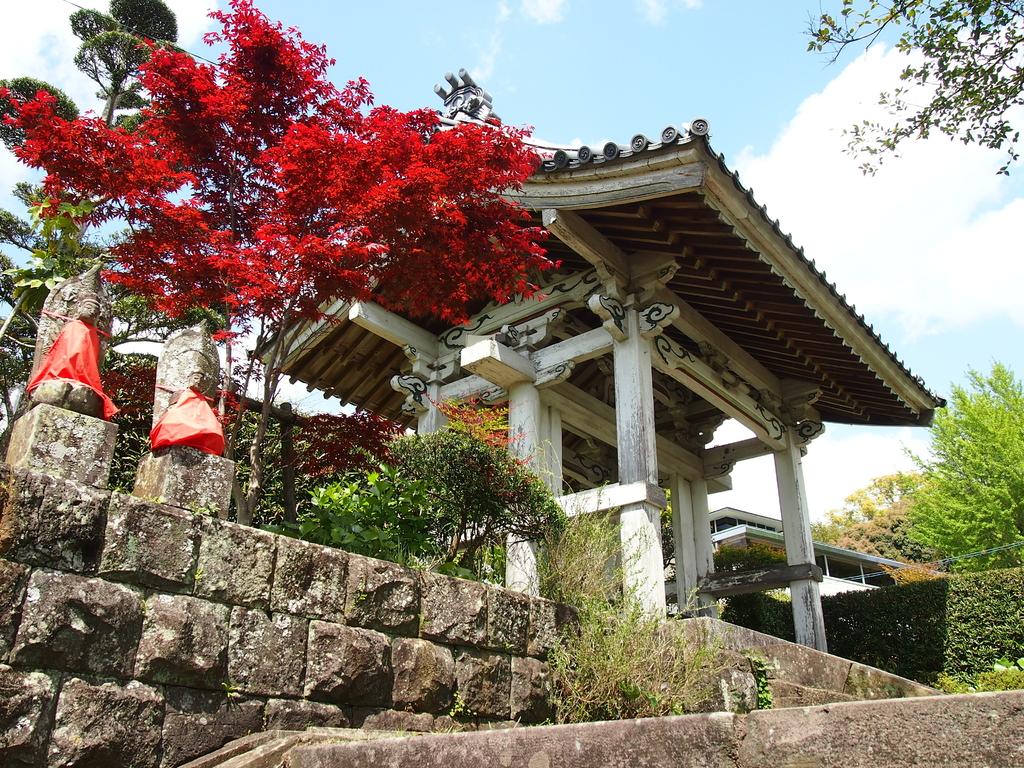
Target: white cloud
[
  {"x": 656, "y": 11},
  {"x": 544, "y": 11},
  {"x": 836, "y": 465},
  {"x": 930, "y": 240}
]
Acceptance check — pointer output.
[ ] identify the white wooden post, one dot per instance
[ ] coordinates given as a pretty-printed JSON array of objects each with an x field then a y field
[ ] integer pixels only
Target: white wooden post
[
  {"x": 704, "y": 547},
  {"x": 551, "y": 438},
  {"x": 683, "y": 539},
  {"x": 639, "y": 523},
  {"x": 808, "y": 619},
  {"x": 524, "y": 423},
  {"x": 431, "y": 420}
]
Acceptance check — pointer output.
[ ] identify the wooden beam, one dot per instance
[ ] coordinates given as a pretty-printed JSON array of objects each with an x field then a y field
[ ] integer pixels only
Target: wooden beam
[
  {"x": 724, "y": 583},
  {"x": 497, "y": 363},
  {"x": 586, "y": 346},
  {"x": 699, "y": 328},
  {"x": 392, "y": 327},
  {"x": 576, "y": 233},
  {"x": 571, "y": 290},
  {"x": 597, "y": 419},
  {"x": 609, "y": 497},
  {"x": 720, "y": 459},
  {"x": 673, "y": 360}
]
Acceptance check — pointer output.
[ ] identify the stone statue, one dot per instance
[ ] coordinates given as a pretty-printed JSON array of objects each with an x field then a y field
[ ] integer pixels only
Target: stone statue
[
  {"x": 189, "y": 360},
  {"x": 78, "y": 298},
  {"x": 63, "y": 432},
  {"x": 179, "y": 475}
]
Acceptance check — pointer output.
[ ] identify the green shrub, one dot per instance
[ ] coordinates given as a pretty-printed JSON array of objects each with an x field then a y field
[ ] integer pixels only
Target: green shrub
[
  {"x": 380, "y": 514},
  {"x": 955, "y": 627},
  {"x": 1005, "y": 675},
  {"x": 481, "y": 493},
  {"x": 448, "y": 500}
]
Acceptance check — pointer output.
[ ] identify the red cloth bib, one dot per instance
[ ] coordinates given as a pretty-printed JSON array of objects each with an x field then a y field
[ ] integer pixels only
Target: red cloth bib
[
  {"x": 74, "y": 357},
  {"x": 189, "y": 421}
]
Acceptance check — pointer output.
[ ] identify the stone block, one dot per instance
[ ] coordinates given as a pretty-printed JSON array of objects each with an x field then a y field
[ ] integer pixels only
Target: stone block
[
  {"x": 980, "y": 729},
  {"x": 804, "y": 666},
  {"x": 50, "y": 522},
  {"x": 543, "y": 629},
  {"x": 184, "y": 642},
  {"x": 149, "y": 544},
  {"x": 309, "y": 580},
  {"x": 267, "y": 653},
  {"x": 61, "y": 443},
  {"x": 382, "y": 595},
  {"x": 394, "y": 720},
  {"x": 454, "y": 610},
  {"x": 78, "y": 624},
  {"x": 508, "y": 620},
  {"x": 345, "y": 665},
  {"x": 865, "y": 682},
  {"x": 484, "y": 684},
  {"x": 27, "y": 701},
  {"x": 107, "y": 724},
  {"x": 236, "y": 563},
  {"x": 299, "y": 714},
  {"x": 655, "y": 742},
  {"x": 791, "y": 695},
  {"x": 530, "y": 701},
  {"x": 13, "y": 578},
  {"x": 186, "y": 478},
  {"x": 198, "y": 722},
  {"x": 424, "y": 675}
]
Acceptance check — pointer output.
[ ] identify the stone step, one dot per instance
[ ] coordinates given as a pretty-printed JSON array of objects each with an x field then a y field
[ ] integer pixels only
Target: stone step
[
  {"x": 977, "y": 730},
  {"x": 794, "y": 695}
]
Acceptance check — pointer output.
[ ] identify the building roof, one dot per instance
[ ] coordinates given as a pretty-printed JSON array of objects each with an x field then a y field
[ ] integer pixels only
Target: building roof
[{"x": 735, "y": 271}]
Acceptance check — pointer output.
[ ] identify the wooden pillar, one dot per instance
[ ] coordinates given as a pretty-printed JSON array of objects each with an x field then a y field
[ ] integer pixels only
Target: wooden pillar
[
  {"x": 524, "y": 425},
  {"x": 640, "y": 523},
  {"x": 808, "y": 619},
  {"x": 431, "y": 420},
  {"x": 551, "y": 448},
  {"x": 683, "y": 539},
  {"x": 288, "y": 461},
  {"x": 704, "y": 547}
]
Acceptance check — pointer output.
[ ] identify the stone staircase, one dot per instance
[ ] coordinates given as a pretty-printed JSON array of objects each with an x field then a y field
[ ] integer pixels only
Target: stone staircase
[
  {"x": 977, "y": 730},
  {"x": 815, "y": 696}
]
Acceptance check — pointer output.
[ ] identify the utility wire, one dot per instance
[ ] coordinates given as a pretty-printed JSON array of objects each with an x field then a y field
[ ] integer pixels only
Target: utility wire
[{"x": 139, "y": 34}]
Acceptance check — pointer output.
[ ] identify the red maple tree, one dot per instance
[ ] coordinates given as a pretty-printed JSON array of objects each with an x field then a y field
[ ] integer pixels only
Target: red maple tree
[{"x": 257, "y": 187}]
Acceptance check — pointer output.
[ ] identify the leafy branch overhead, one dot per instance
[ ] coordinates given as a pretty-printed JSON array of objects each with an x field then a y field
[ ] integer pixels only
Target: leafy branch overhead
[{"x": 964, "y": 76}]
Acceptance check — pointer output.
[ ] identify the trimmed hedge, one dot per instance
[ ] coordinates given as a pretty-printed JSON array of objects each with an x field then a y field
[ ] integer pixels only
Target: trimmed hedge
[{"x": 960, "y": 625}]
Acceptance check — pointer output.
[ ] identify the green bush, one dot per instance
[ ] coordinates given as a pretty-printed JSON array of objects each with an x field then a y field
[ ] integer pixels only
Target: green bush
[
  {"x": 379, "y": 514},
  {"x": 956, "y": 627},
  {"x": 481, "y": 493},
  {"x": 447, "y": 500}
]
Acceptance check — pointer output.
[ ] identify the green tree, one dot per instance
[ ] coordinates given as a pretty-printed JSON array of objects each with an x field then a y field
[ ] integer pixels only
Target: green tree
[
  {"x": 876, "y": 520},
  {"x": 972, "y": 495},
  {"x": 963, "y": 75}
]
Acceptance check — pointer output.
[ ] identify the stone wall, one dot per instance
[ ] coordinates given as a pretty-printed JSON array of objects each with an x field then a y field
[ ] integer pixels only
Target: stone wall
[{"x": 135, "y": 634}]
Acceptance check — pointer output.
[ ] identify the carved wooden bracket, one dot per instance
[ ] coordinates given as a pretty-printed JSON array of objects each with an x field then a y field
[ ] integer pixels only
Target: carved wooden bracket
[
  {"x": 611, "y": 311},
  {"x": 654, "y": 318},
  {"x": 416, "y": 400},
  {"x": 554, "y": 375}
]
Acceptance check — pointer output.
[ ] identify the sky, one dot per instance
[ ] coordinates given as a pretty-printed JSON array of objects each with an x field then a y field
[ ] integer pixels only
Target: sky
[{"x": 929, "y": 248}]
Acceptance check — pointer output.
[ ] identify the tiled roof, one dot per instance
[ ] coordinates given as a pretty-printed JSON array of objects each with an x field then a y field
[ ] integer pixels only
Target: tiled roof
[{"x": 570, "y": 158}]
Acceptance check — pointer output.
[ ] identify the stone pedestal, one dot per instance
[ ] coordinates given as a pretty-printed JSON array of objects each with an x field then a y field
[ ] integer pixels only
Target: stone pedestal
[
  {"x": 186, "y": 478},
  {"x": 60, "y": 443}
]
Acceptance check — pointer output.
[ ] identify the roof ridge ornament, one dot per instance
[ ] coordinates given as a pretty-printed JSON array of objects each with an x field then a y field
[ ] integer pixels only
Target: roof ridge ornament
[{"x": 466, "y": 98}]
